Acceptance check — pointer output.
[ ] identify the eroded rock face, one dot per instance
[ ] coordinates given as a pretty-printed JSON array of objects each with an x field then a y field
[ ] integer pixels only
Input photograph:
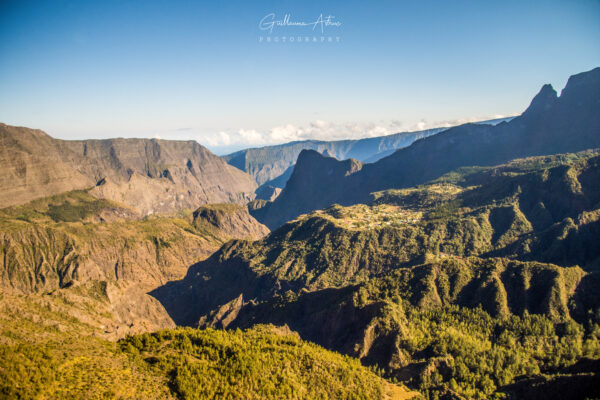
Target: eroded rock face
[
  {"x": 231, "y": 220},
  {"x": 45, "y": 258},
  {"x": 149, "y": 175}
]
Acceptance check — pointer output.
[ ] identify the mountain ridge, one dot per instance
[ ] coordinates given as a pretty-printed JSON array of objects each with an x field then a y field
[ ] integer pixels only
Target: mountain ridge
[
  {"x": 570, "y": 124},
  {"x": 272, "y": 165},
  {"x": 149, "y": 175}
]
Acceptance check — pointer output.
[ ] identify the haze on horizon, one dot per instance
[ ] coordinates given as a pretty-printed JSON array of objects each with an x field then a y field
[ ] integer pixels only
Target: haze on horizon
[{"x": 197, "y": 70}]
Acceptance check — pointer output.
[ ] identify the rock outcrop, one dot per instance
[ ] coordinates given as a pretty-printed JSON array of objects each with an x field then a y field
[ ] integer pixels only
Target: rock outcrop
[{"x": 229, "y": 220}]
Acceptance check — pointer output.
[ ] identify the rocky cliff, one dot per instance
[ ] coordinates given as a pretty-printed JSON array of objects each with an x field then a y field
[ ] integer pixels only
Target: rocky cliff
[{"x": 149, "y": 175}]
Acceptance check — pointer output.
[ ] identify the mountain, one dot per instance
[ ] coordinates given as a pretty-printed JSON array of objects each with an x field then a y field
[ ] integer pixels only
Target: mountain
[
  {"x": 273, "y": 165},
  {"x": 266, "y": 164},
  {"x": 149, "y": 175},
  {"x": 448, "y": 286},
  {"x": 74, "y": 278},
  {"x": 550, "y": 125}
]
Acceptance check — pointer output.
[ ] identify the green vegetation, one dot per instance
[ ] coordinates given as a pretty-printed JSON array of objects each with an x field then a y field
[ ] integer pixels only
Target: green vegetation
[
  {"x": 261, "y": 363},
  {"x": 513, "y": 211},
  {"x": 466, "y": 349},
  {"x": 463, "y": 284},
  {"x": 446, "y": 326},
  {"x": 45, "y": 354},
  {"x": 49, "y": 242},
  {"x": 479, "y": 354},
  {"x": 66, "y": 207}
]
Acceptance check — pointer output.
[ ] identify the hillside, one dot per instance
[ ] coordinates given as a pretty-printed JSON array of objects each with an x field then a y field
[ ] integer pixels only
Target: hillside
[
  {"x": 74, "y": 246},
  {"x": 75, "y": 274},
  {"x": 510, "y": 248},
  {"x": 149, "y": 175},
  {"x": 550, "y": 125},
  {"x": 61, "y": 358}
]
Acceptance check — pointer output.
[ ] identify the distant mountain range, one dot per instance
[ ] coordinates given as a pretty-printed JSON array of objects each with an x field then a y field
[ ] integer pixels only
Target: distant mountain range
[
  {"x": 273, "y": 165},
  {"x": 149, "y": 175},
  {"x": 550, "y": 125}
]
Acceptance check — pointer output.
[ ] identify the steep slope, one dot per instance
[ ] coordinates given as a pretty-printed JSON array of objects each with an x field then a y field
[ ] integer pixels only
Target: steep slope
[
  {"x": 550, "y": 125},
  {"x": 102, "y": 258},
  {"x": 228, "y": 220},
  {"x": 45, "y": 354},
  {"x": 151, "y": 176},
  {"x": 53, "y": 242}
]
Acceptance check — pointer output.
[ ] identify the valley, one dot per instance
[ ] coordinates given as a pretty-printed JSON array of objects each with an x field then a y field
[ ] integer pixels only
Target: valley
[{"x": 465, "y": 265}]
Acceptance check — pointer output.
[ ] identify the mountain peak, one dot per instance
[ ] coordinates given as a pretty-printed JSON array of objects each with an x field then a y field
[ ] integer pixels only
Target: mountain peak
[
  {"x": 309, "y": 156},
  {"x": 543, "y": 100}
]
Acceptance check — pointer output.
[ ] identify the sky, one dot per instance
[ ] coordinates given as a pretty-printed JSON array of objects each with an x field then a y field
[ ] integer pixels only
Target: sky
[{"x": 214, "y": 71}]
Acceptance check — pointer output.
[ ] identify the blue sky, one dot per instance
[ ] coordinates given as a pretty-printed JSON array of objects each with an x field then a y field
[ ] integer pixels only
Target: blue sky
[{"x": 192, "y": 69}]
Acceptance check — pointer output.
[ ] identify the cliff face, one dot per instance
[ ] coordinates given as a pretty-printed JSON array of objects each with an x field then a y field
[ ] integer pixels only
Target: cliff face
[
  {"x": 551, "y": 125},
  {"x": 32, "y": 166},
  {"x": 151, "y": 176},
  {"x": 229, "y": 220}
]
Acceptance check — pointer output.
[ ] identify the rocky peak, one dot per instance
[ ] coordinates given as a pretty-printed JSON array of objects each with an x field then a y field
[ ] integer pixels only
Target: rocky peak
[
  {"x": 229, "y": 219},
  {"x": 313, "y": 160},
  {"x": 582, "y": 88},
  {"x": 543, "y": 101}
]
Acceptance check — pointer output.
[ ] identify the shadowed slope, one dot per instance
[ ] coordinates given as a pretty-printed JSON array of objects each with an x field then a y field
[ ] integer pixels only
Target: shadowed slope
[{"x": 550, "y": 125}]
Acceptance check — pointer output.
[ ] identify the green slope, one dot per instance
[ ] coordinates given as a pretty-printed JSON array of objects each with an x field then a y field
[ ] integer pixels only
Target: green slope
[
  {"x": 61, "y": 358},
  {"x": 509, "y": 250}
]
